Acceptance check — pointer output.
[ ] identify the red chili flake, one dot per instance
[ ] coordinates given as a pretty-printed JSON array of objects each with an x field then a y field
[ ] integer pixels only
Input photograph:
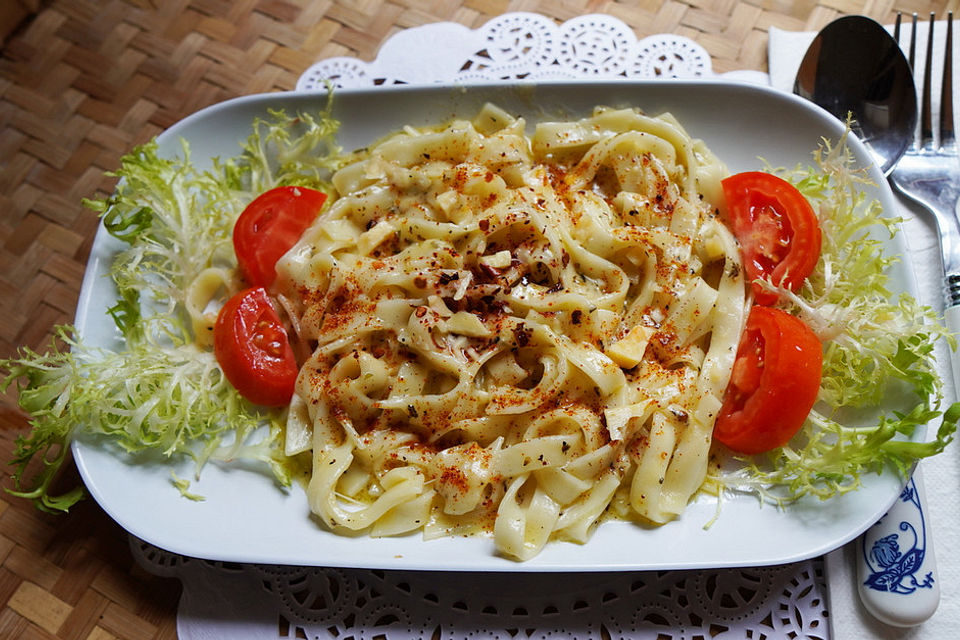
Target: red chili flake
[
  {"x": 522, "y": 335},
  {"x": 455, "y": 478}
]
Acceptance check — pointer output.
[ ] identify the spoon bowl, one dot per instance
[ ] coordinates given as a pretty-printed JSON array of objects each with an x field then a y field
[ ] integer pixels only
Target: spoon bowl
[{"x": 855, "y": 68}]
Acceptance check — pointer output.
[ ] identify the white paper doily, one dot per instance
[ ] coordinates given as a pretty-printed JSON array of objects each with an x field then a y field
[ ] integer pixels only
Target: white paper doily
[
  {"x": 520, "y": 47},
  {"x": 254, "y": 602}
]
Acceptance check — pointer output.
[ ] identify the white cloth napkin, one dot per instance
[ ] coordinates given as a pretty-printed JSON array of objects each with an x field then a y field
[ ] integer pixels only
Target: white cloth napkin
[{"x": 849, "y": 619}]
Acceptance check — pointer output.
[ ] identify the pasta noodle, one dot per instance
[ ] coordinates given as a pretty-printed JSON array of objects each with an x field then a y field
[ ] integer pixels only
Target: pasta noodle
[{"x": 509, "y": 333}]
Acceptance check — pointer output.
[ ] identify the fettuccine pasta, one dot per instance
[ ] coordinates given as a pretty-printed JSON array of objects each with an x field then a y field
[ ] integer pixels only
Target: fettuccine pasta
[{"x": 514, "y": 334}]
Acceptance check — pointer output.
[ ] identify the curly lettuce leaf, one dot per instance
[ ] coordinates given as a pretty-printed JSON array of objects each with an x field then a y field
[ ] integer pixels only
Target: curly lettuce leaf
[
  {"x": 142, "y": 399},
  {"x": 164, "y": 392}
]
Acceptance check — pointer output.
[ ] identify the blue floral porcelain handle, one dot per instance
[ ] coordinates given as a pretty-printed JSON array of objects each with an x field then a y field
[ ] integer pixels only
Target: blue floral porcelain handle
[{"x": 896, "y": 567}]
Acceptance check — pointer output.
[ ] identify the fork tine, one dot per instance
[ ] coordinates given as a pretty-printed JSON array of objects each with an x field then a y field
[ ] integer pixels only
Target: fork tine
[
  {"x": 947, "y": 134},
  {"x": 912, "y": 58},
  {"x": 926, "y": 119},
  {"x": 897, "y": 29},
  {"x": 913, "y": 41}
]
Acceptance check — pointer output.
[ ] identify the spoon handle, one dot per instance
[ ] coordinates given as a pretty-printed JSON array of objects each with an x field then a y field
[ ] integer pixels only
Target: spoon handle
[{"x": 896, "y": 567}]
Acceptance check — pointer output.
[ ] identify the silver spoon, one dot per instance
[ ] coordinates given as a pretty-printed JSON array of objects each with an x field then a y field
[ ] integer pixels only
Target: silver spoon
[{"x": 855, "y": 68}]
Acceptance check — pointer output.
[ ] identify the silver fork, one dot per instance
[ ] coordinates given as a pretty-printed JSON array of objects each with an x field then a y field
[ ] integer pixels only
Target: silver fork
[{"x": 928, "y": 174}]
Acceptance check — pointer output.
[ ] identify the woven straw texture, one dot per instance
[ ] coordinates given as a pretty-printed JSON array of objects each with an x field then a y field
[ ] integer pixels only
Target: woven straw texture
[{"x": 82, "y": 82}]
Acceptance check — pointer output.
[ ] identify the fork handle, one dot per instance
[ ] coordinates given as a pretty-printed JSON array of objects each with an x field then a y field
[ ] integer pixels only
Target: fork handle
[{"x": 896, "y": 568}]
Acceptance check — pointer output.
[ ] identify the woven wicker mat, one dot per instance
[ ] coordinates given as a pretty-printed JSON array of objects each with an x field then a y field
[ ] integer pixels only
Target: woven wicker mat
[{"x": 81, "y": 82}]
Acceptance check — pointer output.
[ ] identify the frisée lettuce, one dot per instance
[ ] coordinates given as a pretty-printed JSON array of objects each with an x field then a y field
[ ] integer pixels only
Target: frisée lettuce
[{"x": 163, "y": 391}]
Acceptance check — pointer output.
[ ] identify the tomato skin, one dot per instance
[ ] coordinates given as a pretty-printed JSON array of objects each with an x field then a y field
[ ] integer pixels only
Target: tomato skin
[
  {"x": 777, "y": 229},
  {"x": 252, "y": 348},
  {"x": 269, "y": 226},
  {"x": 774, "y": 384}
]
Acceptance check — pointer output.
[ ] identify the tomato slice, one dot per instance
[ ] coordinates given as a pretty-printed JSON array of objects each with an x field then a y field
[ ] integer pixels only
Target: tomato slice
[
  {"x": 774, "y": 383},
  {"x": 252, "y": 348},
  {"x": 777, "y": 230},
  {"x": 269, "y": 226}
]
